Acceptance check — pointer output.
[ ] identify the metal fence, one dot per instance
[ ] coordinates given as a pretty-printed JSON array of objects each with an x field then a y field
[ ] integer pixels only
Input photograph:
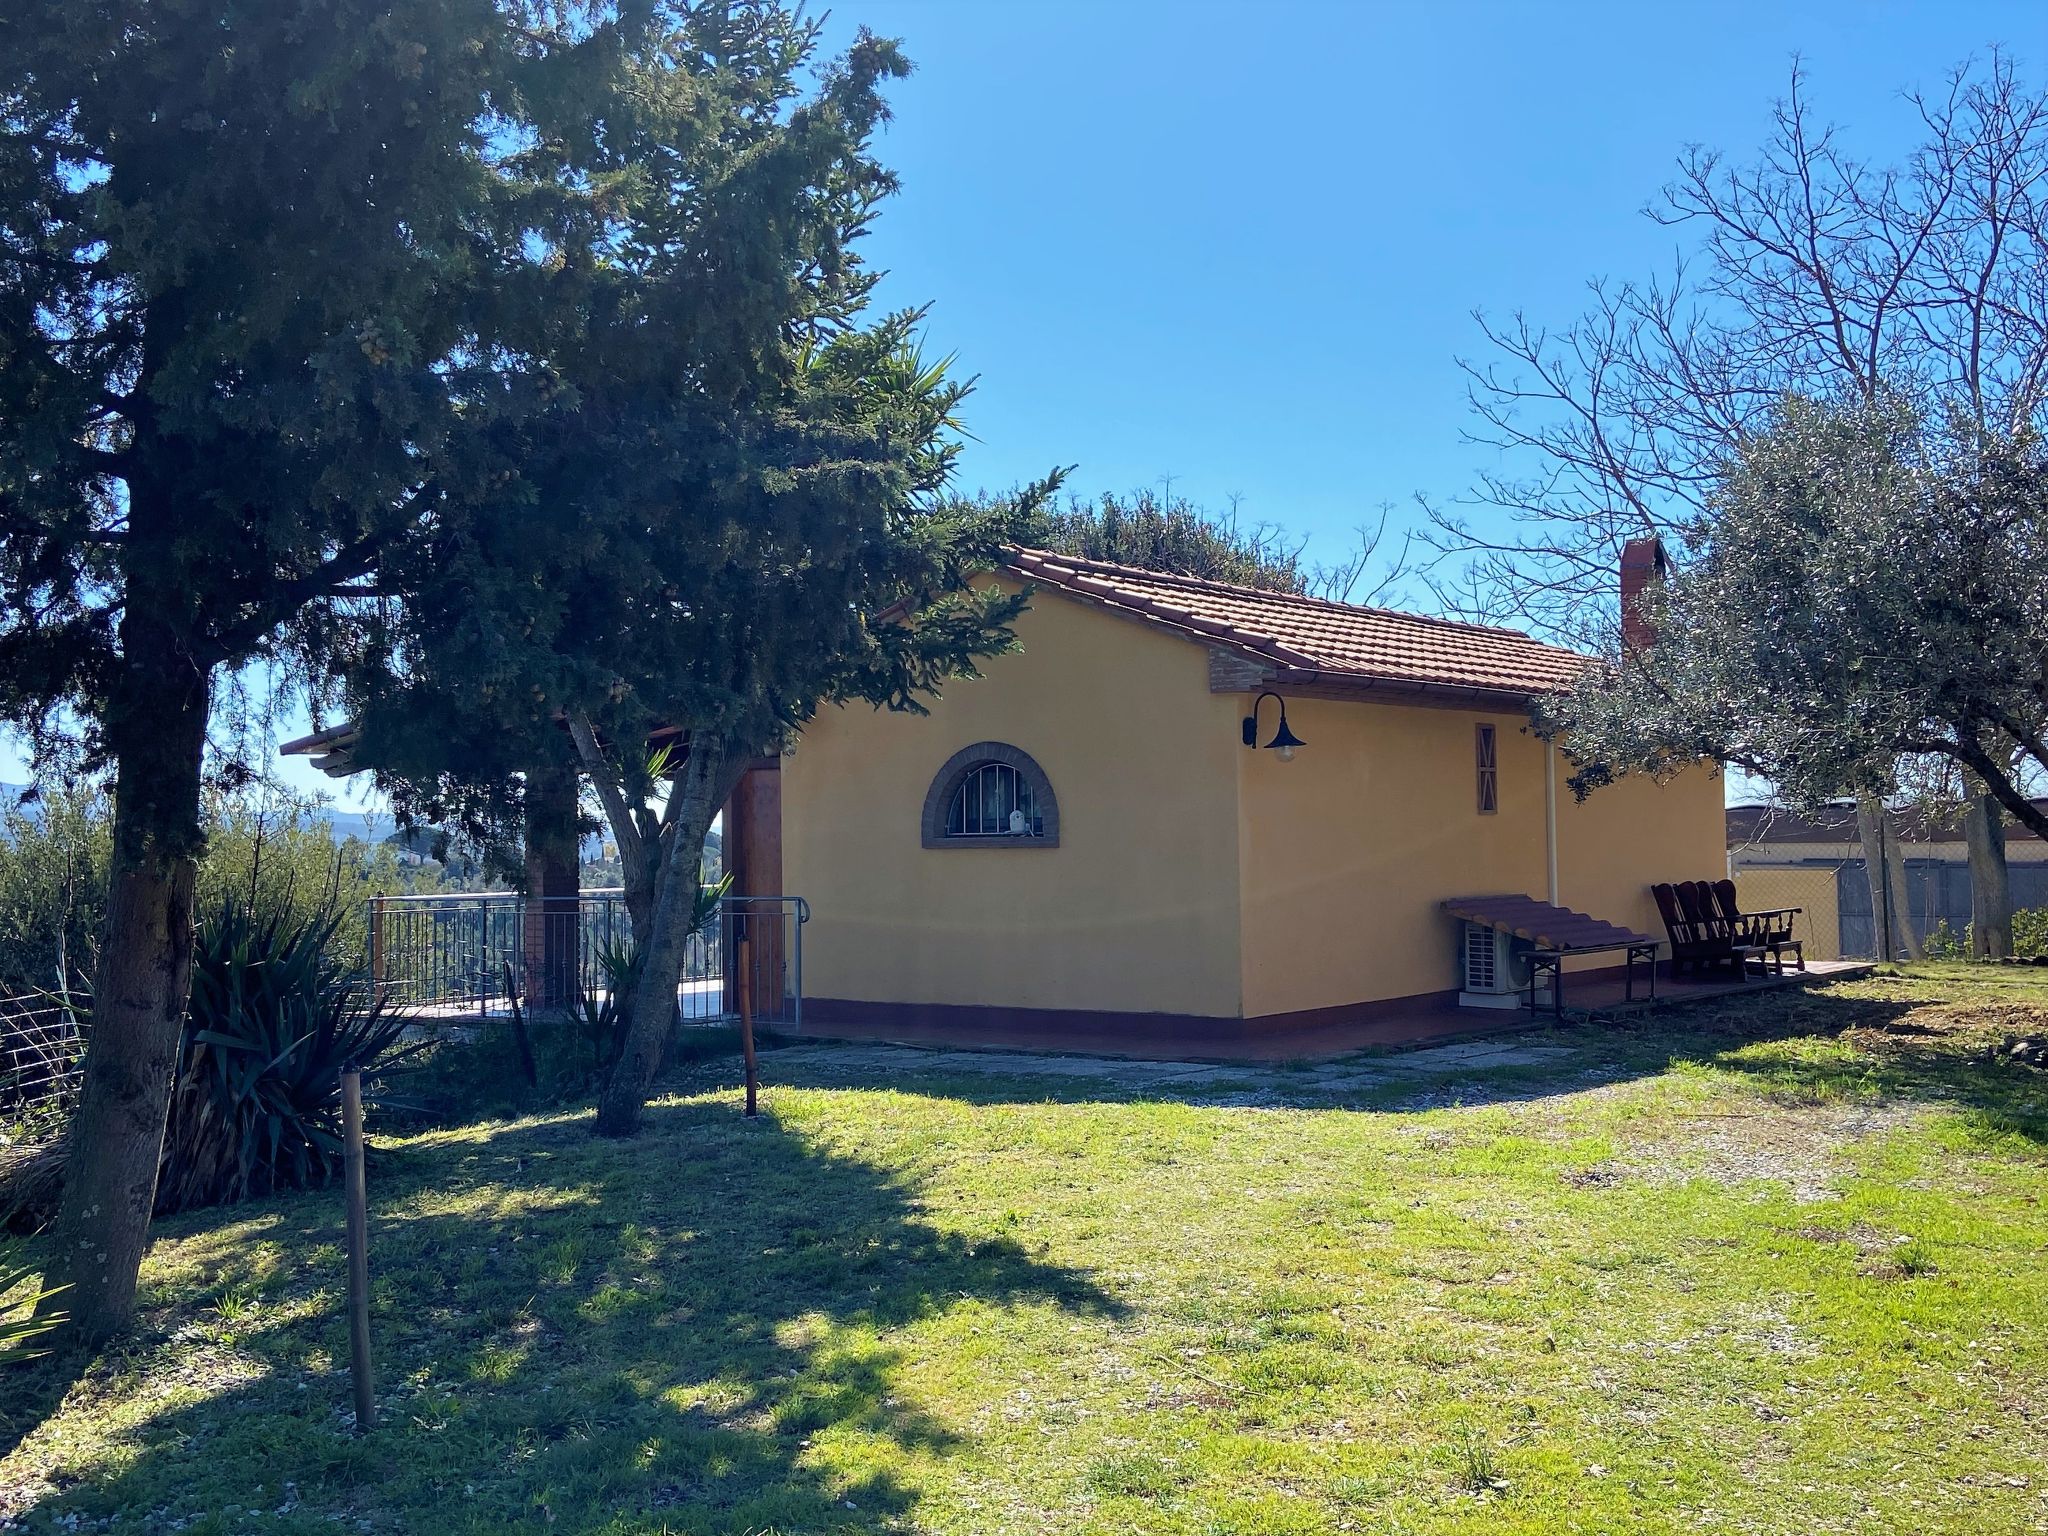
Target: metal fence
[
  {"x": 446, "y": 956},
  {"x": 1938, "y": 901},
  {"x": 42, "y": 1042},
  {"x": 1838, "y": 919}
]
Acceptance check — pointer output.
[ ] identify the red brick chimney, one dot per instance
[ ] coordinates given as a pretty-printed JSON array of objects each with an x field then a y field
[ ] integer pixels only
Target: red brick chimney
[{"x": 1643, "y": 564}]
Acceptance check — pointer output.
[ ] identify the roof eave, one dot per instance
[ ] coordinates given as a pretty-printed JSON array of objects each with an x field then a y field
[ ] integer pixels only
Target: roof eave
[
  {"x": 1370, "y": 687},
  {"x": 305, "y": 746},
  {"x": 1280, "y": 664}
]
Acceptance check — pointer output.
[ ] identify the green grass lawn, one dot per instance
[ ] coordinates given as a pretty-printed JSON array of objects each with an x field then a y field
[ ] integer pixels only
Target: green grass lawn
[{"x": 1774, "y": 1265}]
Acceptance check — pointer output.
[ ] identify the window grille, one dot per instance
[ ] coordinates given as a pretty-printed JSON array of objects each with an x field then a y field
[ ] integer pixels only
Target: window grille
[
  {"x": 990, "y": 795},
  {"x": 994, "y": 800}
]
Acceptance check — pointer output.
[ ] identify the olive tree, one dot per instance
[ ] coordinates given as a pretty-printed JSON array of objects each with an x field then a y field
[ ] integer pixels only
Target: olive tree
[
  {"x": 1859, "y": 589},
  {"x": 1816, "y": 271}
]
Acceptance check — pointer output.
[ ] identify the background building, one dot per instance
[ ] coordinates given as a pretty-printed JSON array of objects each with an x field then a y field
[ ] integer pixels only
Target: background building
[{"x": 1779, "y": 858}]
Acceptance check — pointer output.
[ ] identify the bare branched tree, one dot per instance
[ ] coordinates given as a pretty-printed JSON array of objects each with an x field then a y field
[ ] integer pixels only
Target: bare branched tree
[
  {"x": 1372, "y": 571},
  {"x": 1817, "y": 273}
]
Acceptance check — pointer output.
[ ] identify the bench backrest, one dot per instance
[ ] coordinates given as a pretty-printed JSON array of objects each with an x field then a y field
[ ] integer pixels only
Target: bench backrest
[
  {"x": 1697, "y": 899},
  {"x": 1666, "y": 898},
  {"x": 1689, "y": 935},
  {"x": 1724, "y": 899}
]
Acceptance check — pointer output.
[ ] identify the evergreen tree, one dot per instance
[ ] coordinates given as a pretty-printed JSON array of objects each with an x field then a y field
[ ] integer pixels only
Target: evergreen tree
[
  {"x": 272, "y": 280},
  {"x": 1170, "y": 533},
  {"x": 737, "y": 515}
]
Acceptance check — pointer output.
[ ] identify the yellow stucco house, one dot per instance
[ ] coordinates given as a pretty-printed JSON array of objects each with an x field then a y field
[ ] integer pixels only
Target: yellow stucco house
[{"x": 1082, "y": 846}]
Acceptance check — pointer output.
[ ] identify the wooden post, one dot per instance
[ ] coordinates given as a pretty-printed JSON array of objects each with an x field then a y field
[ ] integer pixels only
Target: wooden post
[
  {"x": 747, "y": 1020},
  {"x": 358, "y": 1247},
  {"x": 548, "y": 918},
  {"x": 753, "y": 847}
]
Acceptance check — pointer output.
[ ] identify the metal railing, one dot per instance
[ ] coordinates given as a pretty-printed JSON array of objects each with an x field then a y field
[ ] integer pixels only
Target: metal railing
[
  {"x": 773, "y": 977},
  {"x": 42, "y": 1042},
  {"x": 452, "y": 955}
]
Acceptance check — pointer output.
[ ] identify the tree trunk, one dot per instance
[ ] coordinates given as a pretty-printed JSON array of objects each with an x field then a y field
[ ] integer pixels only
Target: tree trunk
[
  {"x": 1909, "y": 941},
  {"x": 2002, "y": 780},
  {"x": 1990, "y": 887},
  {"x": 704, "y": 783},
  {"x": 637, "y": 890},
  {"x": 639, "y": 854},
  {"x": 1890, "y": 920},
  {"x": 156, "y": 728},
  {"x": 1870, "y": 832}
]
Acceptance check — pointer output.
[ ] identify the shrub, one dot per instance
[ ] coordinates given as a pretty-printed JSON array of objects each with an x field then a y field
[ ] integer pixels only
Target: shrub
[
  {"x": 54, "y": 846},
  {"x": 275, "y": 850},
  {"x": 2030, "y": 933},
  {"x": 265, "y": 846},
  {"x": 20, "y": 1328},
  {"x": 273, "y": 1020},
  {"x": 1944, "y": 943},
  {"x": 2029, "y": 937}
]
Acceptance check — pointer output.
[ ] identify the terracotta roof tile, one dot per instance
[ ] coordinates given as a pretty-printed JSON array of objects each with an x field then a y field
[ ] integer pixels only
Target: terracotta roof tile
[
  {"x": 1338, "y": 640},
  {"x": 1549, "y": 927}
]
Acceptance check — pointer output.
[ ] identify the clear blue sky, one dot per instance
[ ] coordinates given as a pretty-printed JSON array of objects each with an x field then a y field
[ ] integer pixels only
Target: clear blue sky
[{"x": 1239, "y": 244}]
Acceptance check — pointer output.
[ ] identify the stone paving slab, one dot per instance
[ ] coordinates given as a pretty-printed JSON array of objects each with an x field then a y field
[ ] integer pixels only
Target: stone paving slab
[
  {"x": 1471, "y": 1053},
  {"x": 1407, "y": 1067}
]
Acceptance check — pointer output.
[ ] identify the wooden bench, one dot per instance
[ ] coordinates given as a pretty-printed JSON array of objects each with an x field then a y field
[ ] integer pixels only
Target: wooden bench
[
  {"x": 1769, "y": 931},
  {"x": 1701, "y": 935},
  {"x": 1557, "y": 934},
  {"x": 1549, "y": 961}
]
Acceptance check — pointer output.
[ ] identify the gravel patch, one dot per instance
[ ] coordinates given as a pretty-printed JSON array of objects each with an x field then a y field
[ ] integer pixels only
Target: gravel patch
[{"x": 1803, "y": 1148}]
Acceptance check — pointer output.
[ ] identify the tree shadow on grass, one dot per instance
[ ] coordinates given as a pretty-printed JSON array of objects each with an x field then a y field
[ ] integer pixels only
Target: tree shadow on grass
[
  {"x": 32, "y": 1390},
  {"x": 698, "y": 1330}
]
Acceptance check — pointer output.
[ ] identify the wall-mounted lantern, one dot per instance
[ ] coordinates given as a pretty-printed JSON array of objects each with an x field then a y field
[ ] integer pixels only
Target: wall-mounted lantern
[{"x": 1284, "y": 740}]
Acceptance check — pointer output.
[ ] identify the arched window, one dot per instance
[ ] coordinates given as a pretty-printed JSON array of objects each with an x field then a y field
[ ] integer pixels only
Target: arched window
[
  {"x": 991, "y": 795},
  {"x": 994, "y": 800}
]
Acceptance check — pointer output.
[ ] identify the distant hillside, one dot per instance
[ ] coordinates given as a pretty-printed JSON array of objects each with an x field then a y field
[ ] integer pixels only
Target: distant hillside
[{"x": 370, "y": 826}]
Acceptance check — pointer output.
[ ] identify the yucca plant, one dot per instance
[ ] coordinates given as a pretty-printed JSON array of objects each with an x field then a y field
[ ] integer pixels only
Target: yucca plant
[
  {"x": 274, "y": 1018},
  {"x": 600, "y": 1011},
  {"x": 20, "y": 1328}
]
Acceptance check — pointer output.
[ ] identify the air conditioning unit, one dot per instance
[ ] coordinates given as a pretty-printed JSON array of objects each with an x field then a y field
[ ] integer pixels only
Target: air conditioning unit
[{"x": 1493, "y": 968}]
